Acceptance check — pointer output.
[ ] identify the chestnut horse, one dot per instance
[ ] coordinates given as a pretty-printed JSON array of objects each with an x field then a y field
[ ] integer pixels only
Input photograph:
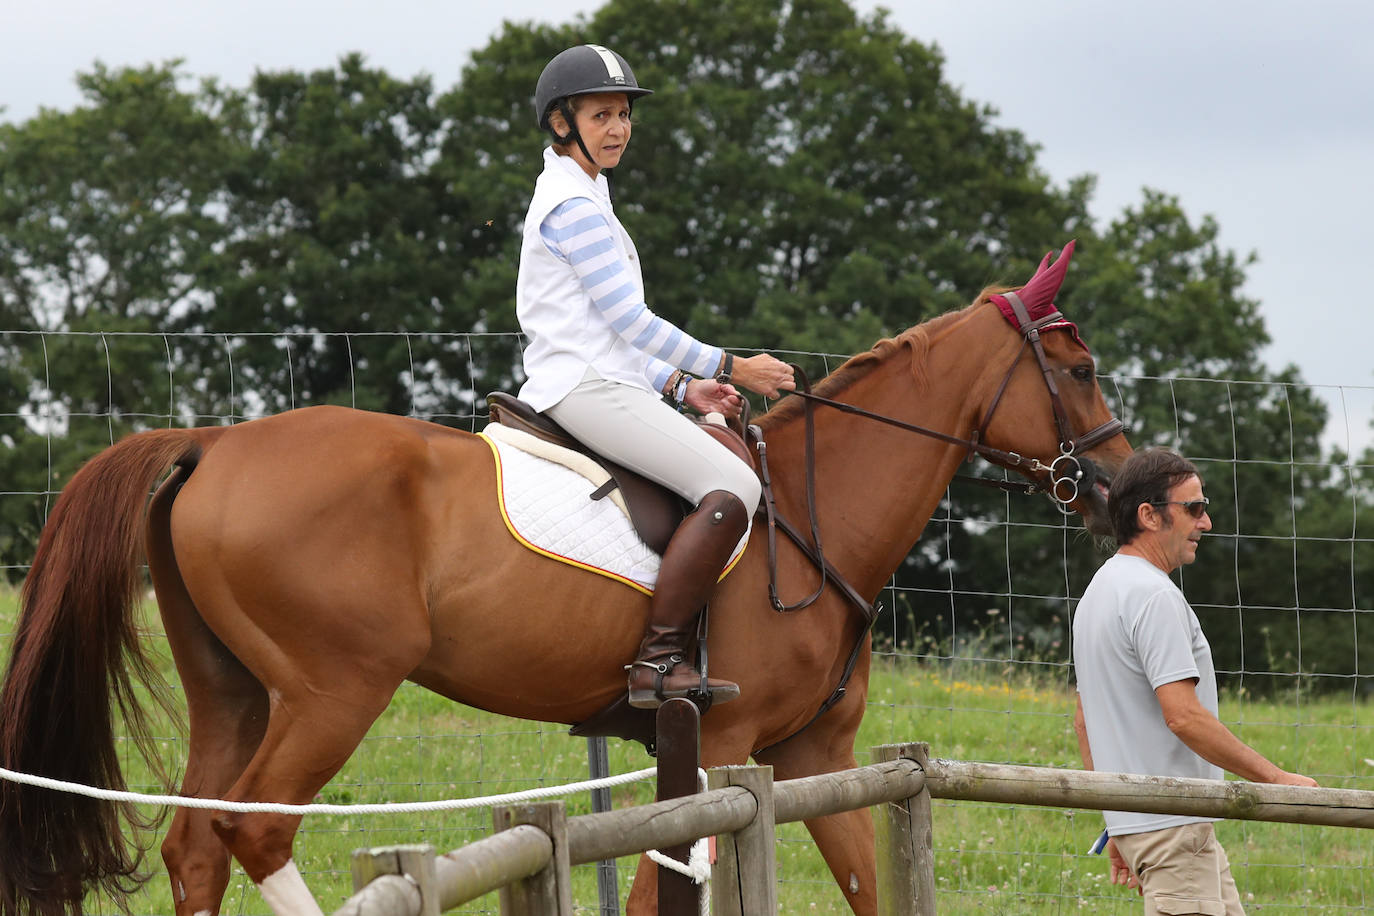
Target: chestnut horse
[{"x": 307, "y": 564}]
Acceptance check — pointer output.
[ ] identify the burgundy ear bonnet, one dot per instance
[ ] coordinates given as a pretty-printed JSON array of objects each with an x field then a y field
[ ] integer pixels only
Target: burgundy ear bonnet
[{"x": 1038, "y": 295}]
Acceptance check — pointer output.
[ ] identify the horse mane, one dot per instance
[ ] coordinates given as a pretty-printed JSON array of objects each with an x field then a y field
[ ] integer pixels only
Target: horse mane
[{"x": 916, "y": 339}]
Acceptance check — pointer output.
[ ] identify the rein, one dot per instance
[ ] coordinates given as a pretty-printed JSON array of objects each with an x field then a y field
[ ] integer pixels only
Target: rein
[{"x": 1067, "y": 474}]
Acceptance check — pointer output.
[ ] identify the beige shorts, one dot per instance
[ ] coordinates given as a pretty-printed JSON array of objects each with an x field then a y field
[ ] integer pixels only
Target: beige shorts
[{"x": 1183, "y": 871}]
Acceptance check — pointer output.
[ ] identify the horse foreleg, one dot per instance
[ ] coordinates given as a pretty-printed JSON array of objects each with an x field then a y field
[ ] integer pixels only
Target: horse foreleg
[{"x": 844, "y": 840}]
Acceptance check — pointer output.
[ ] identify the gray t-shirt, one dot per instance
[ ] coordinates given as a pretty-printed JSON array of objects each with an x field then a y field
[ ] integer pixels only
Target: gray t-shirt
[{"x": 1134, "y": 631}]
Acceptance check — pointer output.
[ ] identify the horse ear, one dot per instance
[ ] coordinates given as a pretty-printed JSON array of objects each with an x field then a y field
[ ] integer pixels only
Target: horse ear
[
  {"x": 1039, "y": 293},
  {"x": 1044, "y": 262}
]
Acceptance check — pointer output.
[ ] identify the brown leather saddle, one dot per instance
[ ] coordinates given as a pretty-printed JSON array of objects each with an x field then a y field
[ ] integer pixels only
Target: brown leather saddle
[{"x": 655, "y": 511}]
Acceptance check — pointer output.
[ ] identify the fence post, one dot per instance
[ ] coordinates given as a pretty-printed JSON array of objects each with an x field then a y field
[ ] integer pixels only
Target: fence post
[
  {"x": 744, "y": 881},
  {"x": 678, "y": 724},
  {"x": 549, "y": 892},
  {"x": 906, "y": 859},
  {"x": 415, "y": 862},
  {"x": 599, "y": 767}
]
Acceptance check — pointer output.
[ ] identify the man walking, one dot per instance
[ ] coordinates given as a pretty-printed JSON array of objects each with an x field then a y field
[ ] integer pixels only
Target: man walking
[{"x": 1147, "y": 691}]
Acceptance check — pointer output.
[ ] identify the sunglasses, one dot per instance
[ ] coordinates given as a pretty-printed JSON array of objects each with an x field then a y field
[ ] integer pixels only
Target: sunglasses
[{"x": 1194, "y": 507}]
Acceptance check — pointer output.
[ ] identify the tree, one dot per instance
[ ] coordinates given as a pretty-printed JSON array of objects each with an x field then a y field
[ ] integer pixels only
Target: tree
[
  {"x": 110, "y": 212},
  {"x": 803, "y": 178},
  {"x": 1161, "y": 304},
  {"x": 341, "y": 227},
  {"x": 107, "y": 214}
]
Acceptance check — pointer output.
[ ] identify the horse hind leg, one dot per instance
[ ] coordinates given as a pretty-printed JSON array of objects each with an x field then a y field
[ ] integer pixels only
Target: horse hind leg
[
  {"x": 306, "y": 741},
  {"x": 227, "y": 711},
  {"x": 225, "y": 730},
  {"x": 323, "y": 697}
]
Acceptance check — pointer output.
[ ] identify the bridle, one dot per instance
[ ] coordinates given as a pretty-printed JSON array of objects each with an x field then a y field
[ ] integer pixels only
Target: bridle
[
  {"x": 1066, "y": 476},
  {"x": 1075, "y": 472}
]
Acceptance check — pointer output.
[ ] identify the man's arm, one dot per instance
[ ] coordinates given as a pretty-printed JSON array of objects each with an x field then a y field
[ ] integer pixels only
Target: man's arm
[
  {"x": 1118, "y": 867},
  {"x": 1204, "y": 733},
  {"x": 1080, "y": 728}
]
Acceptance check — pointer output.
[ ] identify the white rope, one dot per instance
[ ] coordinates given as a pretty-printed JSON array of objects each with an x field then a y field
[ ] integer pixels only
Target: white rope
[
  {"x": 181, "y": 801},
  {"x": 698, "y": 864}
]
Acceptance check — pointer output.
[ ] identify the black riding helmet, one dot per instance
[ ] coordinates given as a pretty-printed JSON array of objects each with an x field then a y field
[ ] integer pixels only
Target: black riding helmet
[{"x": 582, "y": 70}]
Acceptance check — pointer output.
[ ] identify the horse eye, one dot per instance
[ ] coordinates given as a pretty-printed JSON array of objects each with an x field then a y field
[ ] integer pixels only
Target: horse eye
[{"x": 1082, "y": 373}]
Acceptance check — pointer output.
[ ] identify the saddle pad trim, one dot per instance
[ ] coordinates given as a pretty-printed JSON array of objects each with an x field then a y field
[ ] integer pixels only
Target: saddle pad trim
[
  {"x": 592, "y": 472},
  {"x": 505, "y": 517}
]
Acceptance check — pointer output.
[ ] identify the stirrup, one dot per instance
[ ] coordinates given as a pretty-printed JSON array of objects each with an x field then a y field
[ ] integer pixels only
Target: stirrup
[{"x": 702, "y": 693}]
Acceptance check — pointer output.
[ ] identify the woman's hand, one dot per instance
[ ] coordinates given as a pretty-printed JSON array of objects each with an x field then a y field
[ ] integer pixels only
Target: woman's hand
[
  {"x": 706, "y": 395},
  {"x": 763, "y": 374}
]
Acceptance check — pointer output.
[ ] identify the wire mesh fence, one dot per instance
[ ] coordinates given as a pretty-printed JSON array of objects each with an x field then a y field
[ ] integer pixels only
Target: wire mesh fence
[{"x": 973, "y": 646}]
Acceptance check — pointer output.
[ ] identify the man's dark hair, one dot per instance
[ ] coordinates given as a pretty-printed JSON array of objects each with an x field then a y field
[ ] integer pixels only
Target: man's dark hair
[{"x": 1146, "y": 477}]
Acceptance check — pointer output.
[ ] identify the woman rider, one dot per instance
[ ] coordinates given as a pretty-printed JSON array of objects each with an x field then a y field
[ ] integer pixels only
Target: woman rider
[{"x": 598, "y": 361}]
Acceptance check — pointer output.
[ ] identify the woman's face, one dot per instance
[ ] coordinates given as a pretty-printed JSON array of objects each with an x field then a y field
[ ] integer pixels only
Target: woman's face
[{"x": 603, "y": 120}]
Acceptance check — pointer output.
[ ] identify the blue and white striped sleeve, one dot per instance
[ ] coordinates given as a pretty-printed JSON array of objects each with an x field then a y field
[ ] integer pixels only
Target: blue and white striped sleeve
[
  {"x": 659, "y": 371},
  {"x": 576, "y": 232}
]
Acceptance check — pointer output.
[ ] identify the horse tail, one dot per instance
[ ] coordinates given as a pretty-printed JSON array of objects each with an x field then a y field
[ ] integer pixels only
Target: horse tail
[{"x": 77, "y": 654}]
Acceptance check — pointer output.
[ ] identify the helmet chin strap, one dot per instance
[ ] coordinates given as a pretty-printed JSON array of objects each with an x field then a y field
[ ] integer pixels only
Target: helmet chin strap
[{"x": 574, "y": 134}]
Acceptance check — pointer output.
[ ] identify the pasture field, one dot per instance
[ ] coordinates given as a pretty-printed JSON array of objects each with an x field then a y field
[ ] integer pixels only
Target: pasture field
[{"x": 989, "y": 858}]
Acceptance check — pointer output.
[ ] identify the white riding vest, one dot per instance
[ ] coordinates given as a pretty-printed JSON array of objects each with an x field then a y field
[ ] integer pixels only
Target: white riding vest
[{"x": 565, "y": 330}]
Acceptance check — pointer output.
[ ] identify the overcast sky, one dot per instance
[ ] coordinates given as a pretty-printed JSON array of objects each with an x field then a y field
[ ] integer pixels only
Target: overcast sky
[{"x": 1258, "y": 112}]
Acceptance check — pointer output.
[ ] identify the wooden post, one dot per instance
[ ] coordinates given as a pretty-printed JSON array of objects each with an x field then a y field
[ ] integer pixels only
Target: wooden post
[
  {"x": 743, "y": 882},
  {"x": 679, "y": 756},
  {"x": 906, "y": 858},
  {"x": 548, "y": 892},
  {"x": 413, "y": 861}
]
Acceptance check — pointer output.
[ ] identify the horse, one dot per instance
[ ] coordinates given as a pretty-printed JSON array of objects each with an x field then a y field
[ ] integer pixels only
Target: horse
[{"x": 306, "y": 564}]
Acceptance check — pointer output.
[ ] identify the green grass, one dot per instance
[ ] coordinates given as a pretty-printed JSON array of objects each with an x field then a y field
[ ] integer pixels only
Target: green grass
[{"x": 989, "y": 858}]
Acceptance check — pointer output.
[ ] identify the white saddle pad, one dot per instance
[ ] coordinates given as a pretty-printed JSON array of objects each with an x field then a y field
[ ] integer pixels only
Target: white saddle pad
[{"x": 544, "y": 492}]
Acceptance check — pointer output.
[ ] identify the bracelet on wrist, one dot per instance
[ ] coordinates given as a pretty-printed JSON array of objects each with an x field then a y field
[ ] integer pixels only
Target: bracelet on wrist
[
  {"x": 727, "y": 368},
  {"x": 680, "y": 391}
]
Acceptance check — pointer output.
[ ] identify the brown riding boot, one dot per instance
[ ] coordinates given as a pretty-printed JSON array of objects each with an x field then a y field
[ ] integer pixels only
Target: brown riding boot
[{"x": 697, "y": 553}]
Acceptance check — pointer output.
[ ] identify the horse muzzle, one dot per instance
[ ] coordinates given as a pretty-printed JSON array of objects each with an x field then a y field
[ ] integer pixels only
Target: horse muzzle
[{"x": 1073, "y": 477}]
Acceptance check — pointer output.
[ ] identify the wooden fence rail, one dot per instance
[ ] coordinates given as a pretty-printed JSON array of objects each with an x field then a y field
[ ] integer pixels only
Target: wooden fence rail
[
  {"x": 1246, "y": 801},
  {"x": 529, "y": 863}
]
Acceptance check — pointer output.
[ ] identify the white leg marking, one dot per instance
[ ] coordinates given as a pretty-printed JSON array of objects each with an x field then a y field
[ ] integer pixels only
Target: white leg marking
[
  {"x": 204, "y": 913},
  {"x": 286, "y": 893}
]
